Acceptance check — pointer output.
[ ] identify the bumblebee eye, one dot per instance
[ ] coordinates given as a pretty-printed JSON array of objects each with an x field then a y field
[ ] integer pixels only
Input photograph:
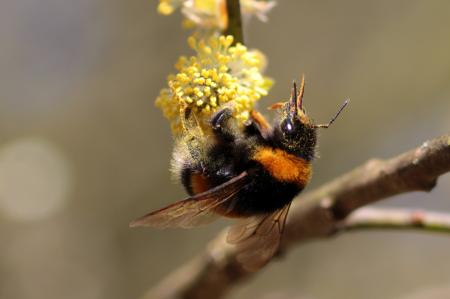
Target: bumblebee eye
[{"x": 287, "y": 126}]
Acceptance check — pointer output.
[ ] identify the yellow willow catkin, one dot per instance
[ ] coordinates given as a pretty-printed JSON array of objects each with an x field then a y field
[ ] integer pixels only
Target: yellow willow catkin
[{"x": 219, "y": 75}]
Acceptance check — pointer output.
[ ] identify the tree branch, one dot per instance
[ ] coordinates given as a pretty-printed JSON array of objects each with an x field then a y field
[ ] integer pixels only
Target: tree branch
[
  {"x": 395, "y": 218},
  {"x": 234, "y": 26},
  {"x": 319, "y": 213}
]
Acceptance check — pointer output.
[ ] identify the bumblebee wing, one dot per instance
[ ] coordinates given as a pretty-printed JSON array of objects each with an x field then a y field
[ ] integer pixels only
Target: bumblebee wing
[
  {"x": 195, "y": 210},
  {"x": 258, "y": 238}
]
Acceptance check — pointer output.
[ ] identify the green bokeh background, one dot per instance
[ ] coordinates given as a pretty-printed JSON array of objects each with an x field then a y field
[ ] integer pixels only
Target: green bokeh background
[{"x": 83, "y": 76}]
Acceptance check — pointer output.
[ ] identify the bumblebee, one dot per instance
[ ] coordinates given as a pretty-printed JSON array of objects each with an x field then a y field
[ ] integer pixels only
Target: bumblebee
[{"x": 252, "y": 173}]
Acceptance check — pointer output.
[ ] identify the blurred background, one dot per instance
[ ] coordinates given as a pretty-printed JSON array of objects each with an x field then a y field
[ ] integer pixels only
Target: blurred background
[{"x": 83, "y": 150}]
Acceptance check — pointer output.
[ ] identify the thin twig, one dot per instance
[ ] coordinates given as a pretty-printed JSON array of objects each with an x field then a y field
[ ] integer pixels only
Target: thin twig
[
  {"x": 395, "y": 218},
  {"x": 316, "y": 214},
  {"x": 234, "y": 26}
]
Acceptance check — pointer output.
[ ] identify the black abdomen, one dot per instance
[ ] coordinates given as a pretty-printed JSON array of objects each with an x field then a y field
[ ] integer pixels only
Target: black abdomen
[{"x": 263, "y": 194}]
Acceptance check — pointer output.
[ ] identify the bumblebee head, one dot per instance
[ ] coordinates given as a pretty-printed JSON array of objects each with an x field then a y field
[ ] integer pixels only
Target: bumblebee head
[
  {"x": 295, "y": 131},
  {"x": 293, "y": 121}
]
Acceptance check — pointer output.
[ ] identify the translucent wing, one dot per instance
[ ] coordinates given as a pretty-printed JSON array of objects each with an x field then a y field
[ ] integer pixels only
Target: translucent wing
[
  {"x": 195, "y": 210},
  {"x": 258, "y": 238}
]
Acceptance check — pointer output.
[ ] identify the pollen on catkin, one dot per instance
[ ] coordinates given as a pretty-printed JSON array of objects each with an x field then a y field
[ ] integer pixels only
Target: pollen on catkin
[{"x": 218, "y": 75}]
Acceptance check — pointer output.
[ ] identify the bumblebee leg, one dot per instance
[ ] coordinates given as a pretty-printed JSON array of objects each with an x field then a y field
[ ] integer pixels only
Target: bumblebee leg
[
  {"x": 193, "y": 138},
  {"x": 257, "y": 125},
  {"x": 222, "y": 127},
  {"x": 189, "y": 122}
]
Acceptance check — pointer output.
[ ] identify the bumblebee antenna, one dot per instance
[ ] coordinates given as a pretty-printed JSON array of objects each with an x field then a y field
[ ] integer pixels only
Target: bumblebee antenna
[
  {"x": 300, "y": 93},
  {"x": 293, "y": 100},
  {"x": 335, "y": 116}
]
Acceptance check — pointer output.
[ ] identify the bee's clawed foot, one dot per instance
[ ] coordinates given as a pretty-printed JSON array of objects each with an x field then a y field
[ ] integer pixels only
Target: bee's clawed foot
[
  {"x": 219, "y": 120},
  {"x": 222, "y": 127}
]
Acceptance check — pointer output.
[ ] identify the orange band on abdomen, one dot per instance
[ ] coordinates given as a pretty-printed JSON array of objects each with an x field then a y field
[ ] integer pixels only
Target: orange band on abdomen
[
  {"x": 284, "y": 166},
  {"x": 199, "y": 183}
]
